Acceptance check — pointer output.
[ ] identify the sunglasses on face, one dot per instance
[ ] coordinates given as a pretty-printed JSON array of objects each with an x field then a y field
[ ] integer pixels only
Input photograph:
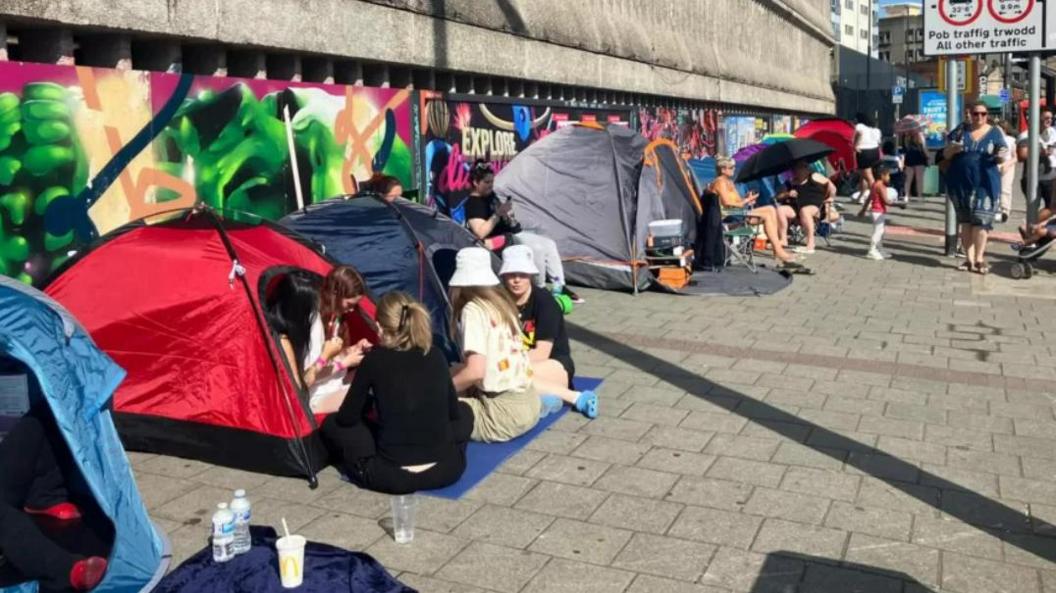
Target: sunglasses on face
[{"x": 979, "y": 114}]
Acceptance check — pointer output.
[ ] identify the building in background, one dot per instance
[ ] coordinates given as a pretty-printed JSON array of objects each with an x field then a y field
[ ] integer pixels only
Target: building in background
[
  {"x": 901, "y": 34},
  {"x": 856, "y": 22}
]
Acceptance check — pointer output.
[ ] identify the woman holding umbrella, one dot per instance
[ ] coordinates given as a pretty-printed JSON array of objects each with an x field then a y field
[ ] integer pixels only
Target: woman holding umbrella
[
  {"x": 809, "y": 191},
  {"x": 811, "y": 194}
]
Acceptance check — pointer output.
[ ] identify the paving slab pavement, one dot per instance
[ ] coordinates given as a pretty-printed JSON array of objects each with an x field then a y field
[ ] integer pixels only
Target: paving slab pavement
[{"x": 880, "y": 426}]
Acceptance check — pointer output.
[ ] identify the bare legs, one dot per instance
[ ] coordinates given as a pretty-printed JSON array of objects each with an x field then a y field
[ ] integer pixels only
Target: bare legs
[
  {"x": 973, "y": 239},
  {"x": 546, "y": 386},
  {"x": 979, "y": 238},
  {"x": 912, "y": 173},
  {"x": 807, "y": 214},
  {"x": 550, "y": 372},
  {"x": 769, "y": 218},
  {"x": 864, "y": 184},
  {"x": 785, "y": 214}
]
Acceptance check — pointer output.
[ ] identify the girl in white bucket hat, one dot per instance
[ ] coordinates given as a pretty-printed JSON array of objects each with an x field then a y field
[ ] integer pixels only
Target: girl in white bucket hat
[
  {"x": 543, "y": 331},
  {"x": 496, "y": 378}
]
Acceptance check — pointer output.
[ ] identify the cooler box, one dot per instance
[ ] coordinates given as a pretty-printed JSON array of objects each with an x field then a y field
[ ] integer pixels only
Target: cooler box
[{"x": 665, "y": 234}]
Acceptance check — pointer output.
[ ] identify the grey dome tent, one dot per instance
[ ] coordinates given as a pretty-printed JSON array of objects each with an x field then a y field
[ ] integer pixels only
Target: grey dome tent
[{"x": 594, "y": 189}]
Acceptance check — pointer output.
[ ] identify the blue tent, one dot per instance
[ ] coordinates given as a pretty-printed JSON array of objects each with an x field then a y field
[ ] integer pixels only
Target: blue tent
[
  {"x": 76, "y": 380},
  {"x": 401, "y": 246}
]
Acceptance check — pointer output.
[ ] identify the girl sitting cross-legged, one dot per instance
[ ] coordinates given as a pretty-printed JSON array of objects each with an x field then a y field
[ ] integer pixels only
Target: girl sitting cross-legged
[{"x": 417, "y": 441}]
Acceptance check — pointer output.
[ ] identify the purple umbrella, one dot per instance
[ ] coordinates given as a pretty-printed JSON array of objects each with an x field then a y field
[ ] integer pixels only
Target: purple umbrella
[{"x": 745, "y": 153}]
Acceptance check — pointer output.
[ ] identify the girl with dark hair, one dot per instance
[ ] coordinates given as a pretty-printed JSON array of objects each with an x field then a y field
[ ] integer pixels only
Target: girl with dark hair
[
  {"x": 492, "y": 222},
  {"x": 418, "y": 441},
  {"x": 319, "y": 363},
  {"x": 867, "y": 147}
]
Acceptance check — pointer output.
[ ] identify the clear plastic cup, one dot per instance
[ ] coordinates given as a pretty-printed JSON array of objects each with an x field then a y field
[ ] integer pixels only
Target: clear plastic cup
[
  {"x": 404, "y": 507},
  {"x": 291, "y": 560}
]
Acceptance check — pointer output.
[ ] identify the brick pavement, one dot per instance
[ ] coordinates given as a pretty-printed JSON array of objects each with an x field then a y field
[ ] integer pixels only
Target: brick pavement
[{"x": 881, "y": 426}]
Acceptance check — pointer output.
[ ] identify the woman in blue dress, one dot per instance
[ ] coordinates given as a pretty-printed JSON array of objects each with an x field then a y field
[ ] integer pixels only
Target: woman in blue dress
[{"x": 974, "y": 182}]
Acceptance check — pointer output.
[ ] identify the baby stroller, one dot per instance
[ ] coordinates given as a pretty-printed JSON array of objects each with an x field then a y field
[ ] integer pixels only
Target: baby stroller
[{"x": 1027, "y": 255}]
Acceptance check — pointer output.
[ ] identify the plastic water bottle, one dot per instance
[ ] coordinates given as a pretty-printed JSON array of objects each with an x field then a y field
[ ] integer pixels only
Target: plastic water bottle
[
  {"x": 223, "y": 533},
  {"x": 242, "y": 511}
]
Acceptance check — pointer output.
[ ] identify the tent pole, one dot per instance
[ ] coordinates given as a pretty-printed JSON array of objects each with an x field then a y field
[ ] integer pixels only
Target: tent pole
[{"x": 293, "y": 157}]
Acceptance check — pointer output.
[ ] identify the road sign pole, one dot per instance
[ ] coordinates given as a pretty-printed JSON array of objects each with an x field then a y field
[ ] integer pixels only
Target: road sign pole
[
  {"x": 1034, "y": 128},
  {"x": 953, "y": 119}
]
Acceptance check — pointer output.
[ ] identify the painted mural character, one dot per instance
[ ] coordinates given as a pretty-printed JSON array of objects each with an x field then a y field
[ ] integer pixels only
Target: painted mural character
[
  {"x": 492, "y": 221},
  {"x": 42, "y": 166}
]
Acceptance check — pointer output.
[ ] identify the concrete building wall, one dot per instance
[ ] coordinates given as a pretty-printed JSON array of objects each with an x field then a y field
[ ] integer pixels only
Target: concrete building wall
[{"x": 772, "y": 54}]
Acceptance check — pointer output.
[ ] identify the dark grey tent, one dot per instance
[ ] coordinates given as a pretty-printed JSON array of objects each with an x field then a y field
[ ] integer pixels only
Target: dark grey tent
[{"x": 594, "y": 190}]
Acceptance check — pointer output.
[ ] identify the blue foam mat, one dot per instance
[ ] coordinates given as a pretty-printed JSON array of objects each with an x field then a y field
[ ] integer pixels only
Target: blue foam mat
[{"x": 484, "y": 458}]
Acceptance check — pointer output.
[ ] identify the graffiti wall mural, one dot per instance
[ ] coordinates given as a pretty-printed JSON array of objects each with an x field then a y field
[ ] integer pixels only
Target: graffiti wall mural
[
  {"x": 695, "y": 131},
  {"x": 85, "y": 150},
  {"x": 456, "y": 133}
]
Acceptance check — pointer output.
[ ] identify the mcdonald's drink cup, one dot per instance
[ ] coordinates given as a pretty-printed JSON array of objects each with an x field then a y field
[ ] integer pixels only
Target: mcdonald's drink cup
[{"x": 291, "y": 560}]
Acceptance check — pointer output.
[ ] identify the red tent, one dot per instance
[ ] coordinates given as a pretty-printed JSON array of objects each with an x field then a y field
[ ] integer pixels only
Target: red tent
[
  {"x": 177, "y": 304},
  {"x": 836, "y": 133}
]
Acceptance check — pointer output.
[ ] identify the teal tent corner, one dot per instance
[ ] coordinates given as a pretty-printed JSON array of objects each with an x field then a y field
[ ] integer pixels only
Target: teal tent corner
[{"x": 77, "y": 380}]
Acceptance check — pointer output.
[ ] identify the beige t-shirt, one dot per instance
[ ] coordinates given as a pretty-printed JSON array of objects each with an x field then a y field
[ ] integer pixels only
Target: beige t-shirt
[{"x": 507, "y": 367}]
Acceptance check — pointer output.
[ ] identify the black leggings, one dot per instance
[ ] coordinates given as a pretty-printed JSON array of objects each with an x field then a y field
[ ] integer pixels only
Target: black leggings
[
  {"x": 30, "y": 476},
  {"x": 354, "y": 452}
]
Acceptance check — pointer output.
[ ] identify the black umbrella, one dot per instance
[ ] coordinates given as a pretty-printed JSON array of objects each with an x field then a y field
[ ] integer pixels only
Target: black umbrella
[{"x": 778, "y": 158}]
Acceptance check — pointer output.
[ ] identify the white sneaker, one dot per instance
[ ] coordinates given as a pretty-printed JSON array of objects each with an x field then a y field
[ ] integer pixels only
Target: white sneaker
[
  {"x": 874, "y": 255},
  {"x": 886, "y": 254},
  {"x": 804, "y": 250}
]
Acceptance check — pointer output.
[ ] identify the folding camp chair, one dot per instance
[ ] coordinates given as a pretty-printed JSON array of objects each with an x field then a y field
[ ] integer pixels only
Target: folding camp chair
[{"x": 738, "y": 235}]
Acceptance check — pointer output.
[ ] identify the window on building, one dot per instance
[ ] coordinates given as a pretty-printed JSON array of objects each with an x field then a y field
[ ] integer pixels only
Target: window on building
[
  {"x": 864, "y": 34},
  {"x": 849, "y": 4},
  {"x": 909, "y": 55},
  {"x": 864, "y": 9},
  {"x": 848, "y": 29}
]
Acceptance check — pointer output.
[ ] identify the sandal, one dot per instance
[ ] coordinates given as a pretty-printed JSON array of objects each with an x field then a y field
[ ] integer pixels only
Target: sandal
[
  {"x": 982, "y": 269},
  {"x": 965, "y": 266},
  {"x": 587, "y": 404}
]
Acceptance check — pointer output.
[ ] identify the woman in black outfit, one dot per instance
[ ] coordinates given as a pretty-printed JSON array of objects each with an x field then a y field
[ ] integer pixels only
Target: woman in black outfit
[
  {"x": 811, "y": 194},
  {"x": 916, "y": 162},
  {"x": 31, "y": 483},
  {"x": 418, "y": 441}
]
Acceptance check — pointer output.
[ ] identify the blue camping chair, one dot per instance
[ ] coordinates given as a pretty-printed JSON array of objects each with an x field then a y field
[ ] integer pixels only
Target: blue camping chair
[{"x": 76, "y": 381}]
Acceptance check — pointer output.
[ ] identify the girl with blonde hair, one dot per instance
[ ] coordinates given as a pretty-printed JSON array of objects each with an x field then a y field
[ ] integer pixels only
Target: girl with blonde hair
[
  {"x": 496, "y": 378},
  {"x": 418, "y": 440}
]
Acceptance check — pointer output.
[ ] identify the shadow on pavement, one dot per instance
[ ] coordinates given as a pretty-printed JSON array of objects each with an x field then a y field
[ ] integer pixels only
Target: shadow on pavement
[
  {"x": 995, "y": 518},
  {"x": 790, "y": 572}
]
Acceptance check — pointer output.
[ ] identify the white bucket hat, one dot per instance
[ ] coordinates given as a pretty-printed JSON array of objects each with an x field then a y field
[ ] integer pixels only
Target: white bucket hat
[
  {"x": 473, "y": 268},
  {"x": 518, "y": 259}
]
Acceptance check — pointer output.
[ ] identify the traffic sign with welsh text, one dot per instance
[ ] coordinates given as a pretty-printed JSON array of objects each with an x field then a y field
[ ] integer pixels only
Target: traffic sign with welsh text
[{"x": 959, "y": 27}]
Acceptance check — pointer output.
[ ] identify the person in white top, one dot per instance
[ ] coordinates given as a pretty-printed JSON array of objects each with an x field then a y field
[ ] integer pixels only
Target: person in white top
[
  {"x": 496, "y": 379},
  {"x": 1047, "y": 165},
  {"x": 867, "y": 147}
]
